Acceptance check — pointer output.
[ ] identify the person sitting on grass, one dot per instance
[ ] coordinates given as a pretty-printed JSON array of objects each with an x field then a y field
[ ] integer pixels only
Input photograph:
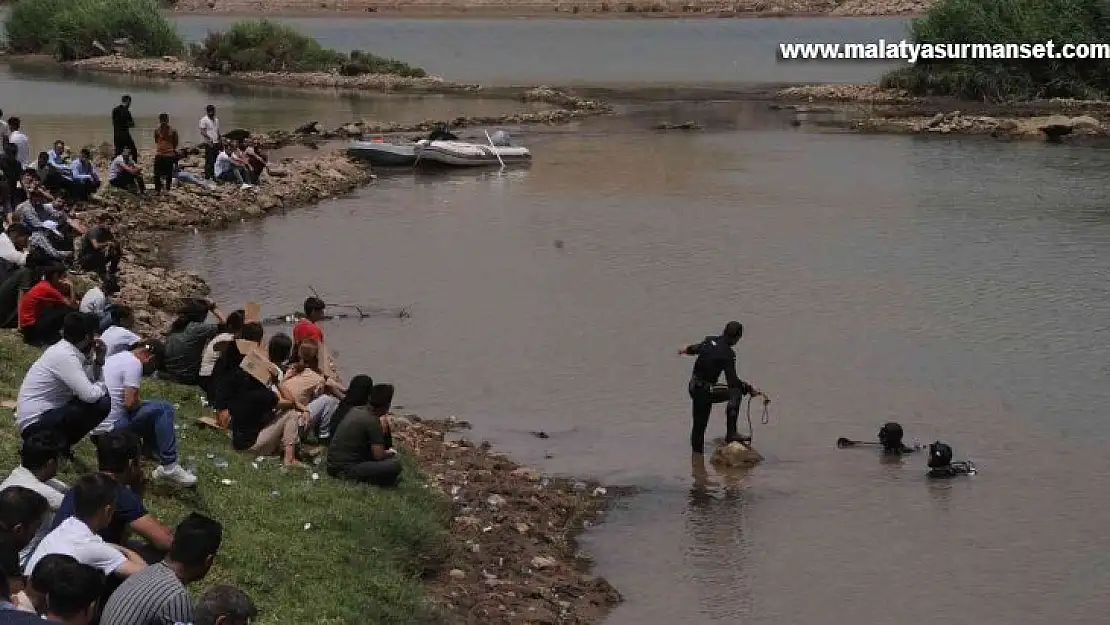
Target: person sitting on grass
[
  {"x": 310, "y": 391},
  {"x": 96, "y": 300},
  {"x": 229, "y": 331},
  {"x": 252, "y": 403},
  {"x": 22, "y": 512},
  {"x": 157, "y": 594},
  {"x": 187, "y": 338},
  {"x": 117, "y": 456},
  {"x": 37, "y": 589},
  {"x": 119, "y": 336},
  {"x": 307, "y": 327},
  {"x": 86, "y": 181},
  {"x": 362, "y": 447},
  {"x": 99, "y": 252},
  {"x": 227, "y": 366},
  {"x": 227, "y": 169},
  {"x": 44, "y": 308},
  {"x": 39, "y": 457},
  {"x": 151, "y": 419},
  {"x": 13, "y": 245},
  {"x": 224, "y": 605},
  {"x": 358, "y": 394},
  {"x": 93, "y": 498},
  {"x": 75, "y": 594},
  {"x": 58, "y": 393},
  {"x": 124, "y": 174}
]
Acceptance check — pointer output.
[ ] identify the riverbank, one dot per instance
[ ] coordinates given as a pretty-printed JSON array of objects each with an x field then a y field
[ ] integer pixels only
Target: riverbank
[
  {"x": 872, "y": 109},
  {"x": 477, "y": 534},
  {"x": 569, "y": 9}
]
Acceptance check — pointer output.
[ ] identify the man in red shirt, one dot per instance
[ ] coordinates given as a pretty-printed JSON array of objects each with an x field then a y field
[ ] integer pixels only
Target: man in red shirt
[
  {"x": 43, "y": 308},
  {"x": 306, "y": 328}
]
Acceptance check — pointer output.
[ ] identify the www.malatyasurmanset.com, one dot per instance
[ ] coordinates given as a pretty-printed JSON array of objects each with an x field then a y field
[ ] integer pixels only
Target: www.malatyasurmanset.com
[{"x": 913, "y": 52}]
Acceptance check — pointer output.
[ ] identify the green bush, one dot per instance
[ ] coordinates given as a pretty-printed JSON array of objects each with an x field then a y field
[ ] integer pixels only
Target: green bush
[
  {"x": 68, "y": 28},
  {"x": 1009, "y": 21},
  {"x": 265, "y": 46}
]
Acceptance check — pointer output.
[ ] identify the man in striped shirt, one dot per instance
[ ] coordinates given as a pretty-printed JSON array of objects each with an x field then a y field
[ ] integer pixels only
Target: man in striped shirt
[{"x": 157, "y": 594}]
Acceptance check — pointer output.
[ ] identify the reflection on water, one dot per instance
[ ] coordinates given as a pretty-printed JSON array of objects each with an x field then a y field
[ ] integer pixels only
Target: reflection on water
[{"x": 955, "y": 287}]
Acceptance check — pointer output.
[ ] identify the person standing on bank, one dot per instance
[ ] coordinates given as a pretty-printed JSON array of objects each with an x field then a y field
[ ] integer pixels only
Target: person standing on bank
[
  {"x": 122, "y": 123},
  {"x": 165, "y": 153},
  {"x": 716, "y": 356},
  {"x": 209, "y": 127}
]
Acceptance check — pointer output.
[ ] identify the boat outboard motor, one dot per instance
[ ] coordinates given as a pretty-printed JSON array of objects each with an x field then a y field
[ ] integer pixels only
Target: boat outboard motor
[
  {"x": 941, "y": 465},
  {"x": 501, "y": 139},
  {"x": 890, "y": 436}
]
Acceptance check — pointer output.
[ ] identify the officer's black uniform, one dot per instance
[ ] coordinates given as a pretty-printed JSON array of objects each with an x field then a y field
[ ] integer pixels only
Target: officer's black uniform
[{"x": 716, "y": 356}]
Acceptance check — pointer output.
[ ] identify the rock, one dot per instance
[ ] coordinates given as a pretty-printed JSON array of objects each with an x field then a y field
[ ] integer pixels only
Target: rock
[
  {"x": 457, "y": 574},
  {"x": 544, "y": 562},
  {"x": 735, "y": 454},
  {"x": 691, "y": 125},
  {"x": 847, "y": 93},
  {"x": 495, "y": 500},
  {"x": 524, "y": 472},
  {"x": 522, "y": 528}
]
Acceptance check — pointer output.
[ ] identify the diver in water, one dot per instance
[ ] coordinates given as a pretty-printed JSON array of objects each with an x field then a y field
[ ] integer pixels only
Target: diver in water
[
  {"x": 440, "y": 133},
  {"x": 941, "y": 465},
  {"x": 716, "y": 356},
  {"x": 890, "y": 437}
]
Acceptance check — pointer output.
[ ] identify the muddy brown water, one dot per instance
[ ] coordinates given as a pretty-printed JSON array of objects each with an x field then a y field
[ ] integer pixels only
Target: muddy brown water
[{"x": 955, "y": 286}]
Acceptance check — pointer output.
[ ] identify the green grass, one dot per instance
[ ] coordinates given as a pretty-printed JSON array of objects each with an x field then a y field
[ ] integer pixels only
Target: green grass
[
  {"x": 67, "y": 29},
  {"x": 266, "y": 46},
  {"x": 361, "y": 561},
  {"x": 1009, "y": 21}
]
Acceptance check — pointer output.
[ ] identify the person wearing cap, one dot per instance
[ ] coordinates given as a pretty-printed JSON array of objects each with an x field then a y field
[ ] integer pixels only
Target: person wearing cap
[
  {"x": 124, "y": 174},
  {"x": 59, "y": 392},
  {"x": 306, "y": 328},
  {"x": 150, "y": 419},
  {"x": 43, "y": 309},
  {"x": 122, "y": 123},
  {"x": 716, "y": 356}
]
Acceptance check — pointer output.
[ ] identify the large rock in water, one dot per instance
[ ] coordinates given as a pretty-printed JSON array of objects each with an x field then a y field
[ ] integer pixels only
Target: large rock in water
[{"x": 735, "y": 455}]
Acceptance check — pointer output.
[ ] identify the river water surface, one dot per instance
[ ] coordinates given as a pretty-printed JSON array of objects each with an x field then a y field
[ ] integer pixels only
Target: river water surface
[{"x": 958, "y": 287}]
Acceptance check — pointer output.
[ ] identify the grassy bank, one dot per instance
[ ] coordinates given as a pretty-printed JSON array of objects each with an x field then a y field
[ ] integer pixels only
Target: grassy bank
[
  {"x": 1010, "y": 21},
  {"x": 266, "y": 46},
  {"x": 360, "y": 561},
  {"x": 70, "y": 29}
]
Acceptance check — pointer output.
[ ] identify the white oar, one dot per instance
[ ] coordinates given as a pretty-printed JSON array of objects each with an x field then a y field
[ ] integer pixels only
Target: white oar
[{"x": 494, "y": 148}]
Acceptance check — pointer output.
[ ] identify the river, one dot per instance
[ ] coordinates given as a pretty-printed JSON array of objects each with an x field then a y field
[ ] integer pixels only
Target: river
[{"x": 956, "y": 286}]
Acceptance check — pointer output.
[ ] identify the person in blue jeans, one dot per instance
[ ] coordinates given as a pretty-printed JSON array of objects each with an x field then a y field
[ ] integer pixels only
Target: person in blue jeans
[{"x": 150, "y": 419}]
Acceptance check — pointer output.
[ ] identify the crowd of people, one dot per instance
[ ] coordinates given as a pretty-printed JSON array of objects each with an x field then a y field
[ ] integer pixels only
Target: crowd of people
[{"x": 92, "y": 552}]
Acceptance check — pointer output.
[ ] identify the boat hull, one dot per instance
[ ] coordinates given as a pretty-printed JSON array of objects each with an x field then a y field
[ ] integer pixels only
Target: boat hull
[
  {"x": 381, "y": 154},
  {"x": 459, "y": 154}
]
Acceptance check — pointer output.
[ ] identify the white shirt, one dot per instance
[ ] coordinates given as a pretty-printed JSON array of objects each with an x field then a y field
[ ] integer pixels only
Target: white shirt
[
  {"x": 212, "y": 125},
  {"x": 73, "y": 538},
  {"x": 210, "y": 356},
  {"x": 223, "y": 163},
  {"x": 9, "y": 253},
  {"x": 116, "y": 168},
  {"x": 121, "y": 372},
  {"x": 56, "y": 377},
  {"x": 52, "y": 490},
  {"x": 94, "y": 301},
  {"x": 117, "y": 339},
  {"x": 22, "y": 147}
]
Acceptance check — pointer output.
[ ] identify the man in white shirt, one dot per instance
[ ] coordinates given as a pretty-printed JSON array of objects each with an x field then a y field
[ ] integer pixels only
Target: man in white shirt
[
  {"x": 124, "y": 174},
  {"x": 13, "y": 244},
  {"x": 38, "y": 464},
  {"x": 94, "y": 501},
  {"x": 119, "y": 337},
  {"x": 57, "y": 393},
  {"x": 151, "y": 420},
  {"x": 225, "y": 168},
  {"x": 20, "y": 141},
  {"x": 209, "y": 127}
]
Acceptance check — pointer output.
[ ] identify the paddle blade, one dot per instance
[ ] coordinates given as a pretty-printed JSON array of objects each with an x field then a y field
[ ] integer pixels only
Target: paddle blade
[{"x": 844, "y": 442}]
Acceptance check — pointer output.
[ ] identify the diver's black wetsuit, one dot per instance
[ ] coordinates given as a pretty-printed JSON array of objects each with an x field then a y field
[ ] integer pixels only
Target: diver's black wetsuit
[
  {"x": 715, "y": 356},
  {"x": 955, "y": 469}
]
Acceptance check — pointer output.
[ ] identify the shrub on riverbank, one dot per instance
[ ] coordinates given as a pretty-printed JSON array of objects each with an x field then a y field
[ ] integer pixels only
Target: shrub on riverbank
[
  {"x": 1009, "y": 21},
  {"x": 359, "y": 562},
  {"x": 67, "y": 29},
  {"x": 266, "y": 46}
]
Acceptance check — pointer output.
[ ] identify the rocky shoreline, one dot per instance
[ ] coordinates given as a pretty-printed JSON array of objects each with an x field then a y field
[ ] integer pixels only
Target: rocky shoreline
[
  {"x": 872, "y": 109},
  {"x": 614, "y": 9},
  {"x": 517, "y": 560}
]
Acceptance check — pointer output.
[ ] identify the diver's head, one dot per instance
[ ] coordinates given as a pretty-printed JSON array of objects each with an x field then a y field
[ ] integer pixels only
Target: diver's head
[
  {"x": 733, "y": 331},
  {"x": 940, "y": 455},
  {"x": 890, "y": 435}
]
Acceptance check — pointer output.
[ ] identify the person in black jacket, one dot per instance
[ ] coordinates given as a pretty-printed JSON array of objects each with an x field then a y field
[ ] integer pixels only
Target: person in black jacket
[
  {"x": 716, "y": 356},
  {"x": 122, "y": 123}
]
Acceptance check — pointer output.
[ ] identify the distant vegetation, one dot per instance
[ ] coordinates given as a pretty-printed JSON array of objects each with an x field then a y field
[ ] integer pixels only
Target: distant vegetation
[
  {"x": 265, "y": 46},
  {"x": 67, "y": 29},
  {"x": 1010, "y": 21}
]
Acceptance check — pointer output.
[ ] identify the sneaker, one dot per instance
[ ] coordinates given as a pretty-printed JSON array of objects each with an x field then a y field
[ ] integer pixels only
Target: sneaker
[{"x": 175, "y": 473}]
